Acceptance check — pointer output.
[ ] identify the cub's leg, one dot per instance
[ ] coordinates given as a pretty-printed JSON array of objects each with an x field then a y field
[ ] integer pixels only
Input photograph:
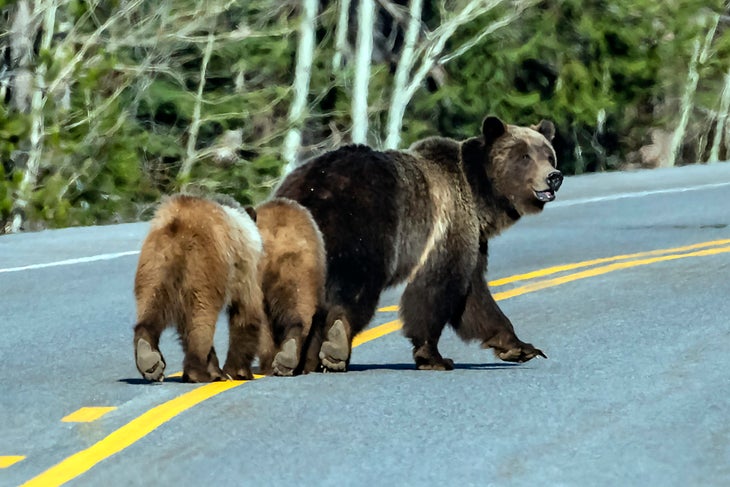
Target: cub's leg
[
  {"x": 200, "y": 363},
  {"x": 147, "y": 354},
  {"x": 436, "y": 293},
  {"x": 267, "y": 348},
  {"x": 296, "y": 329},
  {"x": 244, "y": 325},
  {"x": 310, "y": 361}
]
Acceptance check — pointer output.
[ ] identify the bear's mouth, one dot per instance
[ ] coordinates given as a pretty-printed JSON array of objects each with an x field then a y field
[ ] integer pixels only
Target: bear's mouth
[{"x": 545, "y": 195}]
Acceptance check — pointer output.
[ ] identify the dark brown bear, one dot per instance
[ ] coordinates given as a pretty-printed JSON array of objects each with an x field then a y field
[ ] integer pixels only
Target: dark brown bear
[
  {"x": 198, "y": 256},
  {"x": 292, "y": 271},
  {"x": 424, "y": 216}
]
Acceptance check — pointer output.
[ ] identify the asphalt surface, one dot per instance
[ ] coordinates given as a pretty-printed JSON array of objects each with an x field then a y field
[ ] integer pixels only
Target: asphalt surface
[{"x": 636, "y": 389}]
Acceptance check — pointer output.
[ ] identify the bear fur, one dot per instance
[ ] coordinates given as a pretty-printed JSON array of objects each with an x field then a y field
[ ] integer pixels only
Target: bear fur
[
  {"x": 424, "y": 216},
  {"x": 199, "y": 256},
  {"x": 292, "y": 275}
]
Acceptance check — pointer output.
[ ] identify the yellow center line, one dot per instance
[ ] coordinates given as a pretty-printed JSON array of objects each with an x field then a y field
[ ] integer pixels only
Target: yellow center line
[
  {"x": 127, "y": 435},
  {"x": 597, "y": 271},
  {"x": 8, "y": 460},
  {"x": 87, "y": 414},
  {"x": 578, "y": 265},
  {"x": 141, "y": 426}
]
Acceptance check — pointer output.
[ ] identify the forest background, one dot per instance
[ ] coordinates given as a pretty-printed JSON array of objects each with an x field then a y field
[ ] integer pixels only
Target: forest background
[{"x": 107, "y": 105}]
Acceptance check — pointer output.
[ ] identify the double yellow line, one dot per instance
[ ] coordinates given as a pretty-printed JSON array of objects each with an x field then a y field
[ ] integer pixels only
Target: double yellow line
[{"x": 141, "y": 426}]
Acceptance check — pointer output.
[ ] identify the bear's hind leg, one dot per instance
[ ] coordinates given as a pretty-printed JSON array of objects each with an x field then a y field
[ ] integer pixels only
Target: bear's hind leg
[
  {"x": 336, "y": 347},
  {"x": 352, "y": 298},
  {"x": 200, "y": 363},
  {"x": 294, "y": 326},
  {"x": 244, "y": 326},
  {"x": 147, "y": 355}
]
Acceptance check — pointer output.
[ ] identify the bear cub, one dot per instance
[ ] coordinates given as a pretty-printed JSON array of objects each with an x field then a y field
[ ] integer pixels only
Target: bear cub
[
  {"x": 199, "y": 256},
  {"x": 292, "y": 274}
]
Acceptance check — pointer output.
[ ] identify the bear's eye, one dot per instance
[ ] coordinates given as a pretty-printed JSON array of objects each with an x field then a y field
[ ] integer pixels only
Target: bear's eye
[{"x": 526, "y": 157}]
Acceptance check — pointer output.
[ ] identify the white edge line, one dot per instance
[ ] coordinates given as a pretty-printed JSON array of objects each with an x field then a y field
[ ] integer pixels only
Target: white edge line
[
  {"x": 80, "y": 260},
  {"x": 638, "y": 194}
]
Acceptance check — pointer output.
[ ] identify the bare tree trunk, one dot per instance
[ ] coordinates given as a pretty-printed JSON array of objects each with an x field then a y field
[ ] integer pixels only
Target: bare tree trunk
[
  {"x": 37, "y": 131},
  {"x": 302, "y": 76},
  {"x": 190, "y": 155},
  {"x": 343, "y": 20},
  {"x": 399, "y": 101},
  {"x": 693, "y": 77},
  {"x": 363, "y": 57},
  {"x": 721, "y": 121},
  {"x": 22, "y": 32}
]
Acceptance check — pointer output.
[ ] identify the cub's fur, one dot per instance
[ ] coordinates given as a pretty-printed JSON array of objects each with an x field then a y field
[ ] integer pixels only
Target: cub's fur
[
  {"x": 293, "y": 272},
  {"x": 424, "y": 216},
  {"x": 199, "y": 256}
]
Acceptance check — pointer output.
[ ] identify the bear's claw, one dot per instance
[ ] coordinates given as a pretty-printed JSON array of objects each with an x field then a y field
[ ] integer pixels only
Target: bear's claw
[{"x": 519, "y": 354}]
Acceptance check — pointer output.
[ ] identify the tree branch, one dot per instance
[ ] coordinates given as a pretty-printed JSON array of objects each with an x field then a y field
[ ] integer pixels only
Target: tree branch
[
  {"x": 343, "y": 19},
  {"x": 187, "y": 164}
]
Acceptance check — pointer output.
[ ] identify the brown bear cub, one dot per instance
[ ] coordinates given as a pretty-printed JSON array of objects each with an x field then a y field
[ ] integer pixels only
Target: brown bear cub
[
  {"x": 199, "y": 256},
  {"x": 292, "y": 274},
  {"x": 424, "y": 216}
]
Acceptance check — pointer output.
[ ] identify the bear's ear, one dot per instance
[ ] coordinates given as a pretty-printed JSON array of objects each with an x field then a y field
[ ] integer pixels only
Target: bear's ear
[
  {"x": 492, "y": 129},
  {"x": 251, "y": 212},
  {"x": 546, "y": 128}
]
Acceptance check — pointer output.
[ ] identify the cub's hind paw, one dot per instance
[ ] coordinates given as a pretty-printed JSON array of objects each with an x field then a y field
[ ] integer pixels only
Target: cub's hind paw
[
  {"x": 286, "y": 360},
  {"x": 149, "y": 361}
]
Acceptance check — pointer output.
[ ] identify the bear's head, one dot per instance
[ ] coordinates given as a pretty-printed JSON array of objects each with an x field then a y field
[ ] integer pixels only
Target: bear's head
[{"x": 519, "y": 163}]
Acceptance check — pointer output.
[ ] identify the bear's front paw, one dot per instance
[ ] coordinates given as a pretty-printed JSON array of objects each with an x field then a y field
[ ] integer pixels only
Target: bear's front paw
[
  {"x": 519, "y": 354},
  {"x": 441, "y": 364},
  {"x": 427, "y": 357}
]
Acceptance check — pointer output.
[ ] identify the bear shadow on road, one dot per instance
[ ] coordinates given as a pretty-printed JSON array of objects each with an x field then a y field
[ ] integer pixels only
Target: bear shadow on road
[
  {"x": 139, "y": 381},
  {"x": 411, "y": 366}
]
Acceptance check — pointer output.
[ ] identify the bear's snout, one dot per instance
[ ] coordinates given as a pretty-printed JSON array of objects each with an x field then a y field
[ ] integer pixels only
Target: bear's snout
[{"x": 554, "y": 180}]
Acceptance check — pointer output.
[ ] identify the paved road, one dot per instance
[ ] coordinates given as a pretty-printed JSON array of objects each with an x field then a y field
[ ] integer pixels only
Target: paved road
[{"x": 636, "y": 390}]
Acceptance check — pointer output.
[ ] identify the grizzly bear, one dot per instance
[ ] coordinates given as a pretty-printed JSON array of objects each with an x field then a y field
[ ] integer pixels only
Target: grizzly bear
[
  {"x": 424, "y": 216},
  {"x": 292, "y": 275},
  {"x": 199, "y": 255}
]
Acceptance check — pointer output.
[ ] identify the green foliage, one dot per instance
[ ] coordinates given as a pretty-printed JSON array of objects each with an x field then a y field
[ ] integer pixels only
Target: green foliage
[{"x": 14, "y": 128}]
